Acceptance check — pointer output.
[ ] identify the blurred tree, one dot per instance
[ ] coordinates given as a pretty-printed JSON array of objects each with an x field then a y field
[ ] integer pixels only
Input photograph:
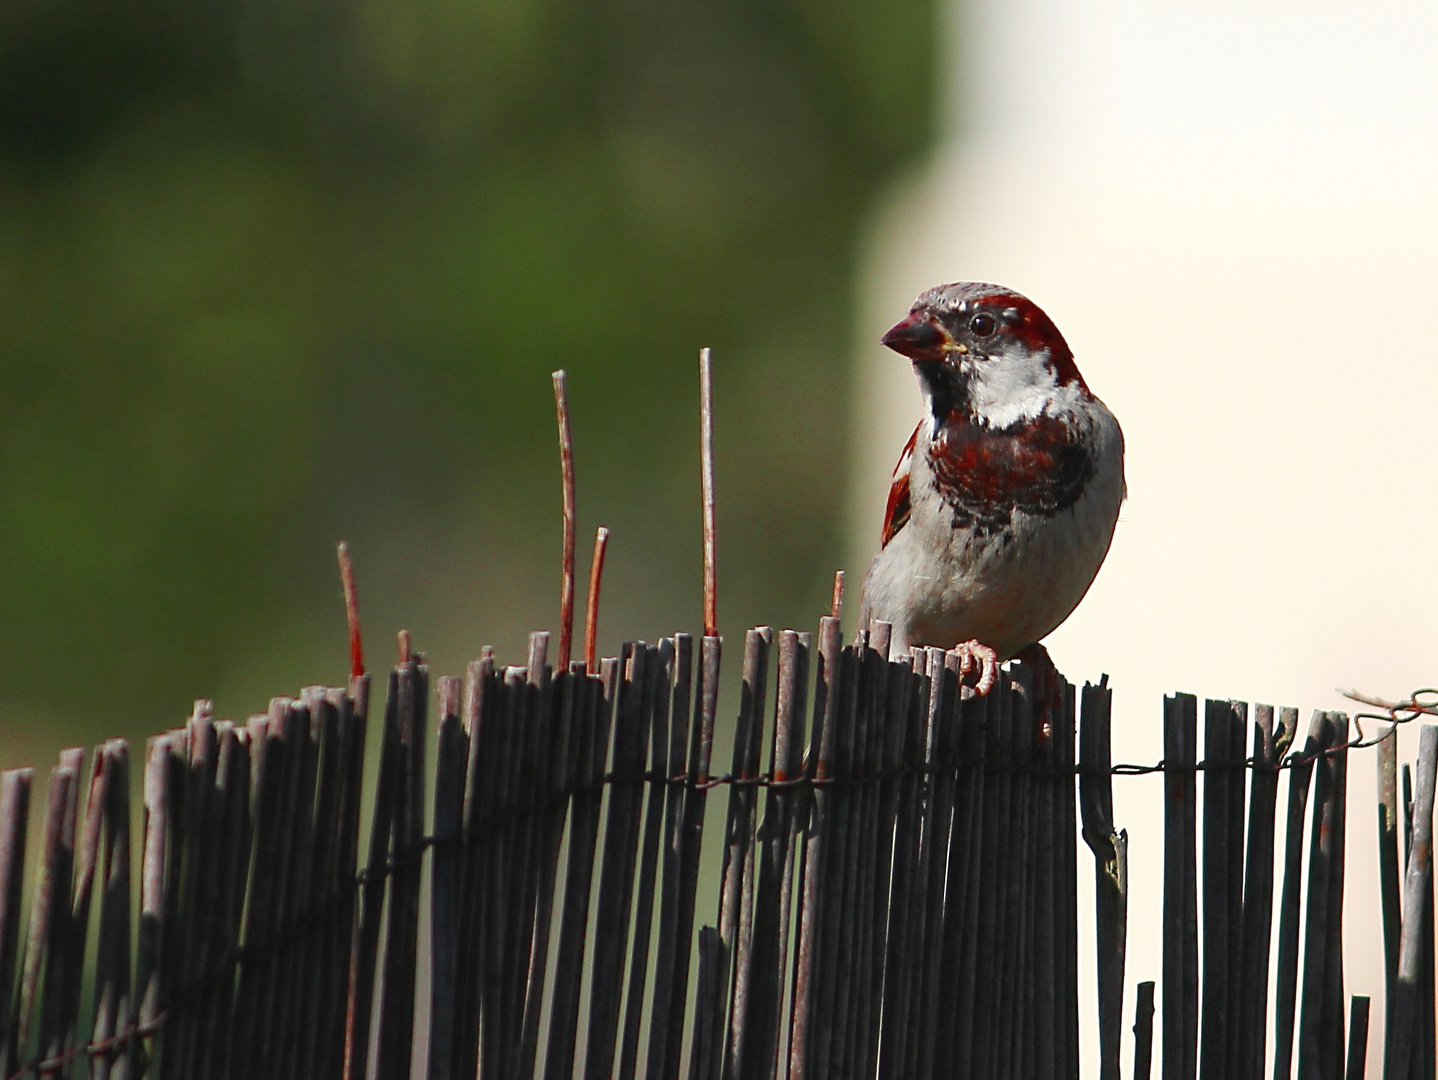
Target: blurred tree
[{"x": 281, "y": 272}]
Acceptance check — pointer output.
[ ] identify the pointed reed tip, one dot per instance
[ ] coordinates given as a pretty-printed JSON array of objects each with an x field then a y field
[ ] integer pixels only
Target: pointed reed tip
[
  {"x": 591, "y": 612},
  {"x": 351, "y": 596}
]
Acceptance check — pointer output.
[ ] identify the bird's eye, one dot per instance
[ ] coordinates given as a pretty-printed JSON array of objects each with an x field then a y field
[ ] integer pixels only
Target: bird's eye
[{"x": 982, "y": 325}]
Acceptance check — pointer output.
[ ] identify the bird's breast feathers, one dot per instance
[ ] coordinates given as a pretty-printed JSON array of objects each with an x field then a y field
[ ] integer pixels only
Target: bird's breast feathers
[{"x": 984, "y": 475}]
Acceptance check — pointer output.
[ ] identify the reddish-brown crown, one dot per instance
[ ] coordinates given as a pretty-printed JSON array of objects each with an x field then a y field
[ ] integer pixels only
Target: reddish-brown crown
[{"x": 943, "y": 317}]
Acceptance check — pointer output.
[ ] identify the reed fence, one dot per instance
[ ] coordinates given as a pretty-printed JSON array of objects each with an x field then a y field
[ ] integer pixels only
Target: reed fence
[{"x": 897, "y": 898}]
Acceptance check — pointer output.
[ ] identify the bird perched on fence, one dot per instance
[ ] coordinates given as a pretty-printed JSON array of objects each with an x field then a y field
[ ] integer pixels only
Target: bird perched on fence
[{"x": 1004, "y": 501}]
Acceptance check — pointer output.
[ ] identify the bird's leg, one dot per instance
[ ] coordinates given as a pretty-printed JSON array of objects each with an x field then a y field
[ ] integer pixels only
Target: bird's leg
[
  {"x": 1048, "y": 688},
  {"x": 977, "y": 659}
]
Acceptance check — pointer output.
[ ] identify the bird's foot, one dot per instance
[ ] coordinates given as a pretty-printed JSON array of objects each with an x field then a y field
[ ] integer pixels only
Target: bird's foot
[
  {"x": 980, "y": 661},
  {"x": 1048, "y": 688}
]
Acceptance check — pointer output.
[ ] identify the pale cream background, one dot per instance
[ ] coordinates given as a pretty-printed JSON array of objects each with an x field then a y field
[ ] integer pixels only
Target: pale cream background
[{"x": 1231, "y": 211}]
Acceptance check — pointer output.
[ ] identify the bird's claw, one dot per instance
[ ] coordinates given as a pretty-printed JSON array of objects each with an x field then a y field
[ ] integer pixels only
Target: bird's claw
[
  {"x": 977, "y": 658},
  {"x": 1048, "y": 686}
]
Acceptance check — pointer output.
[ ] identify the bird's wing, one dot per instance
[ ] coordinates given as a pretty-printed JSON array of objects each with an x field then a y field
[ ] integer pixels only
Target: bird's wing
[{"x": 896, "y": 513}]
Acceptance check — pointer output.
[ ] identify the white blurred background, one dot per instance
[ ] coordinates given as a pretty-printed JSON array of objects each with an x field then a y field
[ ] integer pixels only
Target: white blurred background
[{"x": 1231, "y": 211}]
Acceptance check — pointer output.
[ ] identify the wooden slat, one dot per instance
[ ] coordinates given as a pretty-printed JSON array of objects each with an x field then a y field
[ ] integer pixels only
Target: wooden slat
[
  {"x": 737, "y": 874},
  {"x": 555, "y": 768},
  {"x": 409, "y": 701},
  {"x": 1143, "y": 1031},
  {"x": 280, "y": 960},
  {"x": 113, "y": 1005},
  {"x": 897, "y": 754},
  {"x": 944, "y": 675},
  {"x": 1110, "y": 869},
  {"x": 87, "y": 867},
  {"x": 803, "y": 1035},
  {"x": 1066, "y": 887},
  {"x": 1020, "y": 732},
  {"x": 961, "y": 928},
  {"x": 311, "y": 876},
  {"x": 668, "y": 946},
  {"x": 763, "y": 1003},
  {"x": 875, "y": 843},
  {"x": 1222, "y": 870},
  {"x": 1269, "y": 746},
  {"x": 365, "y": 949},
  {"x": 594, "y": 737},
  {"x": 234, "y": 841},
  {"x": 617, "y": 867},
  {"x": 451, "y": 760},
  {"x": 1286, "y": 975},
  {"x": 1314, "y": 1038},
  {"x": 701, "y": 747},
  {"x": 657, "y": 698},
  {"x": 155, "y": 897},
  {"x": 14, "y": 821},
  {"x": 1180, "y": 890},
  {"x": 481, "y": 693},
  {"x": 1357, "y": 1039},
  {"x": 49, "y": 929},
  {"x": 527, "y": 790},
  {"x": 1389, "y": 879},
  {"x": 353, "y": 707},
  {"x": 1334, "y": 998},
  {"x": 1401, "y": 1035}
]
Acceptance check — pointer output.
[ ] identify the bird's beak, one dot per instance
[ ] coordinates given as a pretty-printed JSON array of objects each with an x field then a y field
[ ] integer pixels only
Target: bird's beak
[{"x": 919, "y": 337}]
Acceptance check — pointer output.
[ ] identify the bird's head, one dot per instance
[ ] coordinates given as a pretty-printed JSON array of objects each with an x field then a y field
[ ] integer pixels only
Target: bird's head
[{"x": 988, "y": 351}]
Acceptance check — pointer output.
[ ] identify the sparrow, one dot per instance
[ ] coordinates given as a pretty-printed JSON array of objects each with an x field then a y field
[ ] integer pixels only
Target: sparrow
[{"x": 1005, "y": 498}]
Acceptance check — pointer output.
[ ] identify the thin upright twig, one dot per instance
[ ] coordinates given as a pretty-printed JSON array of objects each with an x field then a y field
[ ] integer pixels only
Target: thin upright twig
[
  {"x": 591, "y": 614},
  {"x": 406, "y": 647},
  {"x": 706, "y": 473},
  {"x": 836, "y": 602},
  {"x": 566, "y": 472},
  {"x": 347, "y": 582}
]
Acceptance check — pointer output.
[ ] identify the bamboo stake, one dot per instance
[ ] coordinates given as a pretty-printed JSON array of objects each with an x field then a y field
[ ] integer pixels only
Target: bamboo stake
[
  {"x": 591, "y": 615},
  {"x": 1400, "y": 1039},
  {"x": 113, "y": 1010},
  {"x": 452, "y": 753},
  {"x": 1286, "y": 976},
  {"x": 1221, "y": 872},
  {"x": 657, "y": 699},
  {"x": 1313, "y": 1036},
  {"x": 807, "y": 962},
  {"x": 1110, "y": 849},
  {"x": 14, "y": 818},
  {"x": 1357, "y": 1039},
  {"x": 669, "y": 946},
  {"x": 1143, "y": 1032},
  {"x": 1269, "y": 746},
  {"x": 706, "y": 477},
  {"x": 1180, "y": 893},
  {"x": 1388, "y": 876},
  {"x": 735, "y": 898},
  {"x": 566, "y": 474},
  {"x": 701, "y": 748},
  {"x": 352, "y": 619},
  {"x": 592, "y": 751}
]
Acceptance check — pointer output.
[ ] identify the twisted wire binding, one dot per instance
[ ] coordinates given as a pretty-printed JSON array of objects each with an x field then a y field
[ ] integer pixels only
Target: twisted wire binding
[{"x": 1421, "y": 702}]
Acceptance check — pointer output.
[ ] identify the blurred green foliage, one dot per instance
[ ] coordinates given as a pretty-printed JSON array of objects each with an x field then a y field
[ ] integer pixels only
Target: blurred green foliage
[{"x": 278, "y": 272}]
